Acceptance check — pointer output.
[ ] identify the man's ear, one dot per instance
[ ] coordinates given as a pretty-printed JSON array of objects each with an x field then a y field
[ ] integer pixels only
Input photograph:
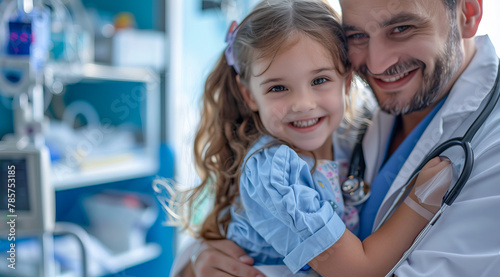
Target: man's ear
[
  {"x": 470, "y": 17},
  {"x": 247, "y": 95}
]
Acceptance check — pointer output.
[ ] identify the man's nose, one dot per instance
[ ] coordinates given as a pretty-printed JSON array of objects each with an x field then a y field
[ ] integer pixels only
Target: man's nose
[
  {"x": 304, "y": 100},
  {"x": 381, "y": 55}
]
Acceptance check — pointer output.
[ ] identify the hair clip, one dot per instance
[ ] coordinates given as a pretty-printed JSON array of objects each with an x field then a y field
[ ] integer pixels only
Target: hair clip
[{"x": 231, "y": 34}]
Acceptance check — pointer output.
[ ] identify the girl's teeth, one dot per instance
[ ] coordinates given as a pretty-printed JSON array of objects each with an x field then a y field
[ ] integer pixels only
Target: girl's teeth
[
  {"x": 305, "y": 123},
  {"x": 395, "y": 78}
]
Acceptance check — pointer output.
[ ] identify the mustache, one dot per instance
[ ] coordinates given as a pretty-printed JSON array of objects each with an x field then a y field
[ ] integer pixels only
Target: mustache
[{"x": 395, "y": 69}]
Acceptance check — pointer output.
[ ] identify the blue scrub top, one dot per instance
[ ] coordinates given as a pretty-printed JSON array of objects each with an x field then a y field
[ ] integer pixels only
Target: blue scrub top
[{"x": 389, "y": 171}]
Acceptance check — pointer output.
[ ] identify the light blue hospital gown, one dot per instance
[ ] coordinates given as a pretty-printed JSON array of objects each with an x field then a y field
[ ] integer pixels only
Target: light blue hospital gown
[{"x": 293, "y": 216}]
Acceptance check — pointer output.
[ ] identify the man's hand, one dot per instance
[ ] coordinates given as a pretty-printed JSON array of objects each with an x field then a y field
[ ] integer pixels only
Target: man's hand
[{"x": 223, "y": 258}]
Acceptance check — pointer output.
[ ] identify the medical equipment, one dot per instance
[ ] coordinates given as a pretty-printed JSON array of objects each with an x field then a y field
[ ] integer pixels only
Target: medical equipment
[
  {"x": 459, "y": 151},
  {"x": 26, "y": 201},
  {"x": 30, "y": 32},
  {"x": 354, "y": 188},
  {"x": 24, "y": 154},
  {"x": 27, "y": 196}
]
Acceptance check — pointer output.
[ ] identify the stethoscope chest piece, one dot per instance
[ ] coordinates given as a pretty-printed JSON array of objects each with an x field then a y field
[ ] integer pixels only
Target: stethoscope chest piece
[{"x": 355, "y": 190}]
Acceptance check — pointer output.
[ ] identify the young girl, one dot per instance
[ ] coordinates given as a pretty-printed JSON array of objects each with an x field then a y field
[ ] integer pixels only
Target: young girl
[{"x": 264, "y": 147}]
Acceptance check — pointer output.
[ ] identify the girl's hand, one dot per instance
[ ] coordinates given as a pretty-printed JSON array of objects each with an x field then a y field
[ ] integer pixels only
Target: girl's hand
[{"x": 432, "y": 183}]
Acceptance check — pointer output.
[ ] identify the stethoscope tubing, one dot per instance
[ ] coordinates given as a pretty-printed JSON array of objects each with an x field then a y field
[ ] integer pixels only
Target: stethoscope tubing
[{"x": 453, "y": 193}]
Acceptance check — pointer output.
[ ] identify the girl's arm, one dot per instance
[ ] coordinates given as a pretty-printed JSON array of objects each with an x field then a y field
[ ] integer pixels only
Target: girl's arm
[{"x": 379, "y": 252}]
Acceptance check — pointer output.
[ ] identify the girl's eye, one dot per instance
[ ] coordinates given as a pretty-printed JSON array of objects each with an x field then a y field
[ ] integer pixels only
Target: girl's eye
[
  {"x": 278, "y": 88},
  {"x": 319, "y": 81}
]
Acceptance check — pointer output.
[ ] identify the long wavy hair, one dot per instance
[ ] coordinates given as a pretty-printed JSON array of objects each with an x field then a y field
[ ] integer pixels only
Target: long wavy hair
[{"x": 228, "y": 127}]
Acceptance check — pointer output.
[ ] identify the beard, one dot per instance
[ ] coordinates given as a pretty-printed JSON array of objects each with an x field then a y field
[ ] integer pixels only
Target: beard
[{"x": 447, "y": 64}]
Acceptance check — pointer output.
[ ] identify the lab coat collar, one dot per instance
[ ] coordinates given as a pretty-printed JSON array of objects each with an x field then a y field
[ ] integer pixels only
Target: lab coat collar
[
  {"x": 464, "y": 98},
  {"x": 475, "y": 82}
]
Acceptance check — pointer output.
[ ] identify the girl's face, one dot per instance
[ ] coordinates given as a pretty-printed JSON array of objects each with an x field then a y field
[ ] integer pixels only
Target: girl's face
[{"x": 299, "y": 96}]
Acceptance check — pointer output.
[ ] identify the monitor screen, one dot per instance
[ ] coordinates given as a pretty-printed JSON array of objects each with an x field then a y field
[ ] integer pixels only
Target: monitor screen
[
  {"x": 14, "y": 171},
  {"x": 20, "y": 38}
]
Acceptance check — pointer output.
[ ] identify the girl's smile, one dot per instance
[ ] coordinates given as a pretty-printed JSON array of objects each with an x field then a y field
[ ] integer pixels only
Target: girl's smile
[{"x": 307, "y": 125}]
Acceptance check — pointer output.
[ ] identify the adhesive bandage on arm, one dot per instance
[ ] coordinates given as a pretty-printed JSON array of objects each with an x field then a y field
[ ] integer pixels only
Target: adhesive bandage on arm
[
  {"x": 431, "y": 192},
  {"x": 418, "y": 209}
]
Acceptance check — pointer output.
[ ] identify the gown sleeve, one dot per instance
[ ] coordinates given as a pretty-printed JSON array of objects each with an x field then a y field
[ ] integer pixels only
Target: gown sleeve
[{"x": 278, "y": 195}]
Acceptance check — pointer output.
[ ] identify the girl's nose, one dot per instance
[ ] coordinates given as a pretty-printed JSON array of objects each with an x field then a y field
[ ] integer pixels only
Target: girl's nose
[{"x": 304, "y": 101}]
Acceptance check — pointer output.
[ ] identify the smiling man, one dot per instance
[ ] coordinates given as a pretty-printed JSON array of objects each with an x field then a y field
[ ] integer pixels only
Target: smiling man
[
  {"x": 430, "y": 75},
  {"x": 410, "y": 54}
]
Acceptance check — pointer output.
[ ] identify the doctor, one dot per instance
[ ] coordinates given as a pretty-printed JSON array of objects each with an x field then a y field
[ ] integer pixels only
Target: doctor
[{"x": 429, "y": 74}]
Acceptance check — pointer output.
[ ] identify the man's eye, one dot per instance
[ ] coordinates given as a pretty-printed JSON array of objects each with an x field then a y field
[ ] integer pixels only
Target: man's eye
[
  {"x": 356, "y": 36},
  {"x": 357, "y": 39},
  {"x": 319, "y": 81},
  {"x": 401, "y": 29},
  {"x": 277, "y": 88}
]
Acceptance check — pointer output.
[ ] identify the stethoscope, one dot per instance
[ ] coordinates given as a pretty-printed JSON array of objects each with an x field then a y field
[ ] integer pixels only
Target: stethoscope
[
  {"x": 356, "y": 191},
  {"x": 354, "y": 188}
]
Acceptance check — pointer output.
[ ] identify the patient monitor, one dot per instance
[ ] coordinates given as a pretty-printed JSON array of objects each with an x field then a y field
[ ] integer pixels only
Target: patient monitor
[{"x": 26, "y": 196}]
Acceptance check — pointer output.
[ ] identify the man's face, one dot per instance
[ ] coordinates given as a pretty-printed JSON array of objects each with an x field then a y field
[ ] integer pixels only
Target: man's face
[{"x": 408, "y": 51}]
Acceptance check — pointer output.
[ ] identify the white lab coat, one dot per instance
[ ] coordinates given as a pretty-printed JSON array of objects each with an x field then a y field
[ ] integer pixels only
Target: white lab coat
[{"x": 466, "y": 239}]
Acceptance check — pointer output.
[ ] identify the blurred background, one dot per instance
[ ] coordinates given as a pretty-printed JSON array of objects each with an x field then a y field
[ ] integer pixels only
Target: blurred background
[{"x": 98, "y": 98}]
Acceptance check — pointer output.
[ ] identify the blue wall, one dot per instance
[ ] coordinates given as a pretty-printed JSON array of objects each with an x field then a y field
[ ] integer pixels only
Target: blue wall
[{"x": 204, "y": 32}]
